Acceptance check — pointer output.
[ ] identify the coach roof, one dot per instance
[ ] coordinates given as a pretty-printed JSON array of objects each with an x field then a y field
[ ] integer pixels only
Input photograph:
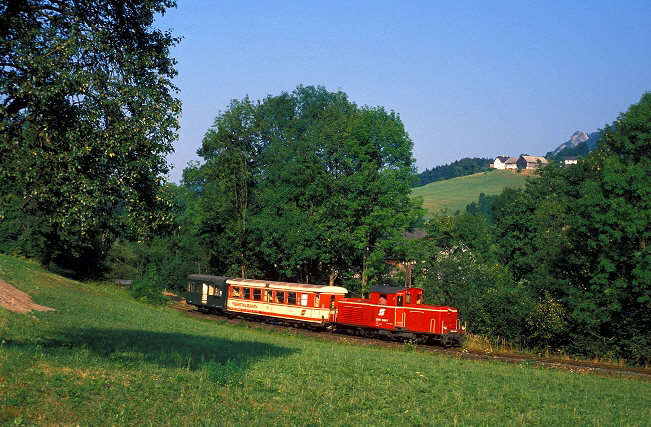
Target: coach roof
[{"x": 287, "y": 286}]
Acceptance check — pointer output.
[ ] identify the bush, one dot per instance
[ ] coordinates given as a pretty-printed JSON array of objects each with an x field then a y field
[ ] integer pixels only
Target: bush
[{"x": 147, "y": 288}]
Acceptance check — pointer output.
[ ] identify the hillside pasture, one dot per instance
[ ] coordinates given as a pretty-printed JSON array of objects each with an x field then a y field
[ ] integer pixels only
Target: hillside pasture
[
  {"x": 455, "y": 194},
  {"x": 101, "y": 359}
]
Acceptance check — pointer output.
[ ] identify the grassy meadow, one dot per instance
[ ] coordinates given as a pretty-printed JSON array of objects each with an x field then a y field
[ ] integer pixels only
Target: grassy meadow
[
  {"x": 102, "y": 359},
  {"x": 454, "y": 194}
]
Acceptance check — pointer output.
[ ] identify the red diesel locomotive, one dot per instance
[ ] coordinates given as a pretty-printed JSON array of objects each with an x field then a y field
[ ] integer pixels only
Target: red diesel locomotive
[
  {"x": 400, "y": 313},
  {"x": 392, "y": 312}
]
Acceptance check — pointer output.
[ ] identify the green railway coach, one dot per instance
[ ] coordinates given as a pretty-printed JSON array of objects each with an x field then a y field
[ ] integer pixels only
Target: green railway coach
[{"x": 208, "y": 293}]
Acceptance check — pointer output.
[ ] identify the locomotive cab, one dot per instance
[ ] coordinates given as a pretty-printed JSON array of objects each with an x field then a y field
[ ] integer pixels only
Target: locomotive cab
[
  {"x": 400, "y": 313},
  {"x": 395, "y": 296}
]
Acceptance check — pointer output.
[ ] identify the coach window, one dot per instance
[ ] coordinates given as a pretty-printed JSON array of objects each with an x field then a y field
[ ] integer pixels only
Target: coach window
[
  {"x": 247, "y": 293},
  {"x": 399, "y": 304},
  {"x": 291, "y": 298},
  {"x": 317, "y": 300},
  {"x": 257, "y": 293},
  {"x": 218, "y": 291},
  {"x": 190, "y": 287},
  {"x": 280, "y": 297},
  {"x": 236, "y": 292},
  {"x": 267, "y": 295},
  {"x": 304, "y": 300}
]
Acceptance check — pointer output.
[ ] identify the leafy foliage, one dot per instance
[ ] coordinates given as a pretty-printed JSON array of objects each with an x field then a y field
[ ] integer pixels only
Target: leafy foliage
[
  {"x": 612, "y": 230},
  {"x": 87, "y": 117},
  {"x": 303, "y": 186},
  {"x": 577, "y": 237}
]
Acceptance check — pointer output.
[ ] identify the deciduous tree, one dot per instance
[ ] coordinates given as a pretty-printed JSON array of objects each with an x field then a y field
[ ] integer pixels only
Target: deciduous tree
[
  {"x": 326, "y": 182},
  {"x": 611, "y": 232},
  {"x": 87, "y": 116}
]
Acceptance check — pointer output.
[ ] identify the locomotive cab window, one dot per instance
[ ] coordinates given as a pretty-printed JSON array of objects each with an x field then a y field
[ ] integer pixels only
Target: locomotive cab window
[
  {"x": 408, "y": 299},
  {"x": 400, "y": 303}
]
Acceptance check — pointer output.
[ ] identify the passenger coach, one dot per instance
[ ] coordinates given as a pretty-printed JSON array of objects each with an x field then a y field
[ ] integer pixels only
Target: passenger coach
[
  {"x": 293, "y": 302},
  {"x": 284, "y": 302},
  {"x": 207, "y": 293}
]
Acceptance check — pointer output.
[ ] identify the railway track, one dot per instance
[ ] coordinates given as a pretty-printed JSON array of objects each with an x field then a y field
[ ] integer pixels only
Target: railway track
[
  {"x": 550, "y": 363},
  {"x": 563, "y": 364}
]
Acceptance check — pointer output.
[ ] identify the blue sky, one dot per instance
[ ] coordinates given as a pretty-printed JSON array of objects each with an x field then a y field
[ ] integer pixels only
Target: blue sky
[{"x": 469, "y": 79}]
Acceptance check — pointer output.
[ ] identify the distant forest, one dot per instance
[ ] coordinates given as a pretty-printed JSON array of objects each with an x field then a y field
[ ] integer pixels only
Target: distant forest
[{"x": 463, "y": 167}]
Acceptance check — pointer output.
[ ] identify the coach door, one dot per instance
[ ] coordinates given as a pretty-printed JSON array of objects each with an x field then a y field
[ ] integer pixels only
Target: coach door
[
  {"x": 304, "y": 302},
  {"x": 204, "y": 293},
  {"x": 400, "y": 312},
  {"x": 332, "y": 311}
]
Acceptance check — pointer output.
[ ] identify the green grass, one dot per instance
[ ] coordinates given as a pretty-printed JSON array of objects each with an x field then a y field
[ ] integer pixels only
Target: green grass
[
  {"x": 454, "y": 194},
  {"x": 102, "y": 359}
]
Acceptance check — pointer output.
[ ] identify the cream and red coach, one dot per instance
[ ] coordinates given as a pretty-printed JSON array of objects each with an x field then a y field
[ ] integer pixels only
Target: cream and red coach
[{"x": 281, "y": 301}]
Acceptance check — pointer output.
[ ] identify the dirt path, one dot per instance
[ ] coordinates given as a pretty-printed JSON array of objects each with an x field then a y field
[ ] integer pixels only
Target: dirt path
[{"x": 16, "y": 300}]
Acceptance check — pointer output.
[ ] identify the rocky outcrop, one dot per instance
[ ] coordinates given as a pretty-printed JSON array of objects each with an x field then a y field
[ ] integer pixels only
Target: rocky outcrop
[{"x": 577, "y": 138}]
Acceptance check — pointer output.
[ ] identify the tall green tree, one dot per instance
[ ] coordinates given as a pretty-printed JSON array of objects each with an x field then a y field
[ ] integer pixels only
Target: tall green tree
[
  {"x": 224, "y": 188},
  {"x": 336, "y": 191},
  {"x": 577, "y": 239},
  {"x": 326, "y": 183},
  {"x": 611, "y": 233},
  {"x": 87, "y": 117}
]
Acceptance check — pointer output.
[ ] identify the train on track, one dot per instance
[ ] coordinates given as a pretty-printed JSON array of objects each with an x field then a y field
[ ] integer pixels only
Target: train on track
[{"x": 388, "y": 312}]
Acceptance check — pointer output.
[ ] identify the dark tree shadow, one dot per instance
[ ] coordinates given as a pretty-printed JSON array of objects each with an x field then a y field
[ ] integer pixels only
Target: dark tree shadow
[{"x": 223, "y": 359}]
